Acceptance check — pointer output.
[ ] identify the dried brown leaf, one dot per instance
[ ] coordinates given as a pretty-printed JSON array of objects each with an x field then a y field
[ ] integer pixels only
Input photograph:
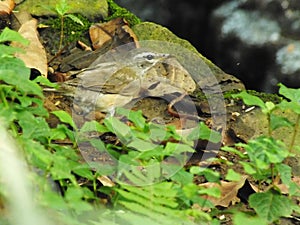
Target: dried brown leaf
[
  {"x": 6, "y": 7},
  {"x": 113, "y": 33},
  {"x": 35, "y": 56},
  {"x": 106, "y": 181},
  {"x": 229, "y": 192},
  {"x": 284, "y": 189}
]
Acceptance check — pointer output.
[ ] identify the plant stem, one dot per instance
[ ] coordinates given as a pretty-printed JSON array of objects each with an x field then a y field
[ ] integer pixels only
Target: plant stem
[
  {"x": 61, "y": 31},
  {"x": 269, "y": 124},
  {"x": 6, "y": 105},
  {"x": 295, "y": 132},
  {"x": 272, "y": 174},
  {"x": 3, "y": 99}
]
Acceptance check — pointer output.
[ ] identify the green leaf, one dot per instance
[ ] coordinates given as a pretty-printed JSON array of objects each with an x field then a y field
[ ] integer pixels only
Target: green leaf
[
  {"x": 138, "y": 208},
  {"x": 48, "y": 8},
  {"x": 134, "y": 116},
  {"x": 75, "y": 19},
  {"x": 62, "y": 7},
  {"x": 296, "y": 208},
  {"x": 8, "y": 113},
  {"x": 84, "y": 171},
  {"x": 212, "y": 191},
  {"x": 250, "y": 99},
  {"x": 158, "y": 133},
  {"x": 135, "y": 176},
  {"x": 33, "y": 127},
  {"x": 21, "y": 82},
  {"x": 290, "y": 93},
  {"x": 122, "y": 131},
  {"x": 243, "y": 218},
  {"x": 11, "y": 35},
  {"x": 6, "y": 51},
  {"x": 234, "y": 151},
  {"x": 204, "y": 133},
  {"x": 38, "y": 108},
  {"x": 279, "y": 121},
  {"x": 73, "y": 193},
  {"x": 57, "y": 134},
  {"x": 232, "y": 175},
  {"x": 248, "y": 168},
  {"x": 93, "y": 126},
  {"x": 65, "y": 118},
  {"x": 54, "y": 201},
  {"x": 98, "y": 144},
  {"x": 80, "y": 206},
  {"x": 159, "y": 205},
  {"x": 16, "y": 65},
  {"x": 285, "y": 172},
  {"x": 130, "y": 159},
  {"x": 62, "y": 168},
  {"x": 265, "y": 150},
  {"x": 270, "y": 205},
  {"x": 37, "y": 155},
  {"x": 177, "y": 149},
  {"x": 44, "y": 81},
  {"x": 182, "y": 177},
  {"x": 141, "y": 145},
  {"x": 157, "y": 192},
  {"x": 269, "y": 106},
  {"x": 210, "y": 175},
  {"x": 285, "y": 105},
  {"x": 156, "y": 153},
  {"x": 190, "y": 190}
]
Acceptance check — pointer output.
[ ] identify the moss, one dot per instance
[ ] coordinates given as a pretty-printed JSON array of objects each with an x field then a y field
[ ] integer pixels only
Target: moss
[
  {"x": 262, "y": 95},
  {"x": 72, "y": 30},
  {"x": 266, "y": 96},
  {"x": 115, "y": 11},
  {"x": 89, "y": 8}
]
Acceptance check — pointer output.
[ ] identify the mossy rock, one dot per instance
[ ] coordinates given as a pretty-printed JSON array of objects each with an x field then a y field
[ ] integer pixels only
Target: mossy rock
[
  {"x": 152, "y": 31},
  {"x": 254, "y": 124},
  {"x": 116, "y": 11},
  {"x": 88, "y": 8}
]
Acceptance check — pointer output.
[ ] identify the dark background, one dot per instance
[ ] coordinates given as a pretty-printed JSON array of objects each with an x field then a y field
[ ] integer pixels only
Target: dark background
[{"x": 193, "y": 20}]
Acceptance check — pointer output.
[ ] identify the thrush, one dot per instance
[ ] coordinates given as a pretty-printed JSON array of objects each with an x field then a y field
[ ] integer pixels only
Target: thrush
[{"x": 116, "y": 79}]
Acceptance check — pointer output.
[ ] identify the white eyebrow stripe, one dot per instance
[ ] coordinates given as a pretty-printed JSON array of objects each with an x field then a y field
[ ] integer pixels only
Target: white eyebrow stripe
[{"x": 143, "y": 55}]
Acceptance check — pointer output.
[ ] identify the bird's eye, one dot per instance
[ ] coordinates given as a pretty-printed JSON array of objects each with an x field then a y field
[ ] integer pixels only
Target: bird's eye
[{"x": 149, "y": 57}]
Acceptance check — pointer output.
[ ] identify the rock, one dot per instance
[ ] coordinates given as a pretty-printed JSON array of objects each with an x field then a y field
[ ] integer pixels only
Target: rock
[{"x": 208, "y": 76}]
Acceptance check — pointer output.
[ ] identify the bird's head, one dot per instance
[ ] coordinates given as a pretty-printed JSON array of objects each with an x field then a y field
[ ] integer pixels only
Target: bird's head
[{"x": 146, "y": 60}]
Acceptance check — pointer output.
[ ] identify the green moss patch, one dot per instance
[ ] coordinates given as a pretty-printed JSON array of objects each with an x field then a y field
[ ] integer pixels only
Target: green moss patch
[
  {"x": 88, "y": 8},
  {"x": 115, "y": 11}
]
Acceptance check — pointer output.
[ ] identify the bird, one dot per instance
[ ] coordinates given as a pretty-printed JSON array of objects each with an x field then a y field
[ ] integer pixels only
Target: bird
[{"x": 115, "y": 79}]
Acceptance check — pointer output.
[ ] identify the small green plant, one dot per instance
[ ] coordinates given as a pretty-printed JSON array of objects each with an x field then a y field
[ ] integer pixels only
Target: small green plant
[
  {"x": 62, "y": 9},
  {"x": 143, "y": 170},
  {"x": 22, "y": 110},
  {"x": 149, "y": 177},
  {"x": 264, "y": 158},
  {"x": 142, "y": 177}
]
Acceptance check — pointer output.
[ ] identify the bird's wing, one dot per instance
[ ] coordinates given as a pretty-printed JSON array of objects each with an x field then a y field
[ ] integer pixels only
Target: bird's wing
[
  {"x": 107, "y": 78},
  {"x": 168, "y": 77}
]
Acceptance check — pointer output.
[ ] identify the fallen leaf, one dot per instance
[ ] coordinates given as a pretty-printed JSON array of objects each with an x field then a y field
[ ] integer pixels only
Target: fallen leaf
[
  {"x": 35, "y": 54},
  {"x": 106, "y": 181},
  {"x": 114, "y": 33},
  {"x": 6, "y": 7},
  {"x": 228, "y": 190},
  {"x": 284, "y": 189}
]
